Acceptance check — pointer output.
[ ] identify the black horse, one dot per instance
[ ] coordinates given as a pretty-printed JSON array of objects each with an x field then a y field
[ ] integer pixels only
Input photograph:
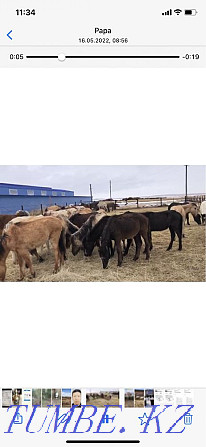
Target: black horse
[
  {"x": 197, "y": 218},
  {"x": 125, "y": 226},
  {"x": 166, "y": 219},
  {"x": 94, "y": 236}
]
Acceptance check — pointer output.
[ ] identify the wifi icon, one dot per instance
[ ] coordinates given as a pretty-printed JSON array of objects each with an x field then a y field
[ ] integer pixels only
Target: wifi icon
[{"x": 177, "y": 11}]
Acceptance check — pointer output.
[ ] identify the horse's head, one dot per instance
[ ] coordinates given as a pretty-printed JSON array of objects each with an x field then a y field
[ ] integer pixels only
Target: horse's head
[
  {"x": 104, "y": 255},
  {"x": 194, "y": 210},
  {"x": 76, "y": 244},
  {"x": 197, "y": 219},
  {"x": 88, "y": 247}
]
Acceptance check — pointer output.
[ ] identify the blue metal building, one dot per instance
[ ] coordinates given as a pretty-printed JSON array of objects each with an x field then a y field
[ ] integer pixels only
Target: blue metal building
[{"x": 14, "y": 197}]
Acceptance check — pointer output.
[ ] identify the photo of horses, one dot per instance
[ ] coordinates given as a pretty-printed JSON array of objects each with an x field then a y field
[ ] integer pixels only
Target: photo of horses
[
  {"x": 129, "y": 398},
  {"x": 139, "y": 399},
  {"x": 100, "y": 397},
  {"x": 107, "y": 223}
]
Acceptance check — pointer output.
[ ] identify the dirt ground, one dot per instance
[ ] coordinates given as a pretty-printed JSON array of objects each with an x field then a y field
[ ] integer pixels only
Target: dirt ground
[{"x": 187, "y": 265}]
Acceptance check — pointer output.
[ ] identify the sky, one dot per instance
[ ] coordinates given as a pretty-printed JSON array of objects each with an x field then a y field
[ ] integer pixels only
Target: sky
[{"x": 127, "y": 180}]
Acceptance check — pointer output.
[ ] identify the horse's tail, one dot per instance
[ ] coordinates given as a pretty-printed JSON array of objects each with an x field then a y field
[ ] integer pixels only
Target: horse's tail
[
  {"x": 149, "y": 235},
  {"x": 181, "y": 225},
  {"x": 62, "y": 242}
]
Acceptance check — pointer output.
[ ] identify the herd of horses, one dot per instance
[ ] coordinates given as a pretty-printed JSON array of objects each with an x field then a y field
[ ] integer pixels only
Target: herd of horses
[{"x": 82, "y": 229}]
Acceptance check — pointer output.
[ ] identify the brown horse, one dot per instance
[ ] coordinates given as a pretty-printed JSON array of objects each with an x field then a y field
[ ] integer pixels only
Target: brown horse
[
  {"x": 24, "y": 236},
  {"x": 125, "y": 226},
  {"x": 5, "y": 218}
]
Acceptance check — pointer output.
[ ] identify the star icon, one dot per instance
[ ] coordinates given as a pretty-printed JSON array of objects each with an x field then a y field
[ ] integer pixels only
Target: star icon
[{"x": 142, "y": 418}]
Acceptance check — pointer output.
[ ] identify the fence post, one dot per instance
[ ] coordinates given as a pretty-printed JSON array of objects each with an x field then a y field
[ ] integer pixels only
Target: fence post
[
  {"x": 22, "y": 207},
  {"x": 160, "y": 201},
  {"x": 137, "y": 202},
  {"x": 41, "y": 208}
]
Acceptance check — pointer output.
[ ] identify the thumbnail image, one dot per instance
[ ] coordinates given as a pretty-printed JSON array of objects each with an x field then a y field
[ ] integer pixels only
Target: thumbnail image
[
  {"x": 159, "y": 396},
  {"x": 56, "y": 396},
  {"x": 139, "y": 398},
  {"x": 66, "y": 397},
  {"x": 76, "y": 397},
  {"x": 169, "y": 396},
  {"x": 129, "y": 398},
  {"x": 6, "y": 397},
  {"x": 17, "y": 396},
  {"x": 149, "y": 398},
  {"x": 27, "y": 396},
  {"x": 100, "y": 397},
  {"x": 46, "y": 397},
  {"x": 36, "y": 396}
]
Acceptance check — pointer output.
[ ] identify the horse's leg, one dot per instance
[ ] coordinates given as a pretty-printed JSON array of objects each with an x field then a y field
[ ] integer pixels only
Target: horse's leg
[
  {"x": 144, "y": 234},
  {"x": 179, "y": 234},
  {"x": 126, "y": 249},
  {"x": 119, "y": 252},
  {"x": 150, "y": 241},
  {"x": 56, "y": 257},
  {"x": 26, "y": 256},
  {"x": 111, "y": 248},
  {"x": 21, "y": 264},
  {"x": 54, "y": 238},
  {"x": 187, "y": 219},
  {"x": 14, "y": 257},
  {"x": 35, "y": 253},
  {"x": 138, "y": 243},
  {"x": 172, "y": 233},
  {"x": 183, "y": 224}
]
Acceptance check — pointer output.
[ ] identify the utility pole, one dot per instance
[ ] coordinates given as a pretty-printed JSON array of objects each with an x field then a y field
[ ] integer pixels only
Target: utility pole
[
  {"x": 186, "y": 166},
  {"x": 110, "y": 189},
  {"x": 90, "y": 187}
]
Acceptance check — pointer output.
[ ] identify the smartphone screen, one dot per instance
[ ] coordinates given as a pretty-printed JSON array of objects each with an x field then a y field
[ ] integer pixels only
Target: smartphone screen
[{"x": 102, "y": 222}]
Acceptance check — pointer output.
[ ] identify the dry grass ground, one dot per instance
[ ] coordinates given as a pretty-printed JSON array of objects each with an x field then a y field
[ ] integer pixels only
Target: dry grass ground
[
  {"x": 100, "y": 402},
  {"x": 188, "y": 265}
]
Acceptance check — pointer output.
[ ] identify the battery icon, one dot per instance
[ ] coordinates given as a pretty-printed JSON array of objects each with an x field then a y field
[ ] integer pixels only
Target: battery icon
[{"x": 190, "y": 12}]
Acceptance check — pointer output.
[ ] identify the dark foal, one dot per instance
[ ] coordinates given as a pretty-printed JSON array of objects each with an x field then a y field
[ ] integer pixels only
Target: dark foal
[{"x": 124, "y": 226}]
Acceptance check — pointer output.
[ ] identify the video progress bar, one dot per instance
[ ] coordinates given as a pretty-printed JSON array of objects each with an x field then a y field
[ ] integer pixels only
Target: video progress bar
[
  {"x": 105, "y": 57},
  {"x": 104, "y": 442}
]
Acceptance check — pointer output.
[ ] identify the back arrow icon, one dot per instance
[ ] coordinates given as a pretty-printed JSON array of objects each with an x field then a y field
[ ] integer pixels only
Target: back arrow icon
[{"x": 8, "y": 35}]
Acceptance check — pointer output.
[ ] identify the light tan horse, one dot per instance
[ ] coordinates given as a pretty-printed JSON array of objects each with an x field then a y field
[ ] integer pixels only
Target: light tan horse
[
  {"x": 26, "y": 235},
  {"x": 183, "y": 210}
]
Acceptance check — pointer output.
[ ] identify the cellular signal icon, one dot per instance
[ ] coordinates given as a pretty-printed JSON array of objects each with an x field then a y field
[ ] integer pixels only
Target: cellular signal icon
[
  {"x": 177, "y": 11},
  {"x": 167, "y": 13}
]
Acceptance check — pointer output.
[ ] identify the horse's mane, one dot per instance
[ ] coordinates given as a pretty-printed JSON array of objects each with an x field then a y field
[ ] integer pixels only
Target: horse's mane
[
  {"x": 2, "y": 249},
  {"x": 107, "y": 231},
  {"x": 98, "y": 227}
]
